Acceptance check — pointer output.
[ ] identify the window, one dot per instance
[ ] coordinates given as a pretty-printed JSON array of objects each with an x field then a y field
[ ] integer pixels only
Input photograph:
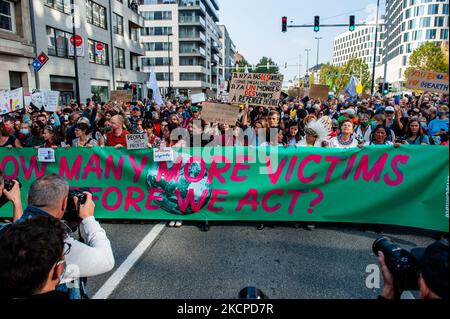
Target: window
[
  {"x": 439, "y": 21},
  {"x": 431, "y": 34},
  {"x": 408, "y": 14},
  {"x": 425, "y": 22},
  {"x": 418, "y": 11},
  {"x": 156, "y": 31},
  {"x": 433, "y": 9},
  {"x": 7, "y": 16},
  {"x": 417, "y": 35},
  {"x": 444, "y": 34},
  {"x": 156, "y": 61},
  {"x": 60, "y": 5},
  {"x": 412, "y": 24},
  {"x": 96, "y": 14},
  {"x": 96, "y": 56},
  {"x": 157, "y": 15},
  {"x": 133, "y": 32},
  {"x": 192, "y": 77},
  {"x": 134, "y": 62},
  {"x": 158, "y": 46},
  {"x": 406, "y": 37},
  {"x": 58, "y": 42},
  {"x": 119, "y": 58},
  {"x": 117, "y": 24},
  {"x": 163, "y": 76},
  {"x": 445, "y": 9}
]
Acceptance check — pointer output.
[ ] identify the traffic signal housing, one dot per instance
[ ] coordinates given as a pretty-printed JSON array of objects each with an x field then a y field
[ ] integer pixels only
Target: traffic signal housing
[
  {"x": 380, "y": 88},
  {"x": 284, "y": 24},
  {"x": 316, "y": 23},
  {"x": 386, "y": 88},
  {"x": 352, "y": 24}
]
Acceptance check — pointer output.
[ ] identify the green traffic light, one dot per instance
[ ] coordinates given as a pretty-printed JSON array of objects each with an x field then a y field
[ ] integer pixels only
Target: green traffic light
[
  {"x": 316, "y": 29},
  {"x": 352, "y": 28}
]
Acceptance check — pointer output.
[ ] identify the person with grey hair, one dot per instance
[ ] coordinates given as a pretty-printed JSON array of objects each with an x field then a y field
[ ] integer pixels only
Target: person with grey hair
[{"x": 48, "y": 195}]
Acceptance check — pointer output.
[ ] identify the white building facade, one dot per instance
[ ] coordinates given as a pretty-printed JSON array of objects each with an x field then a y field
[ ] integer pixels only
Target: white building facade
[
  {"x": 110, "y": 48},
  {"x": 227, "y": 52},
  {"x": 187, "y": 32},
  {"x": 411, "y": 23},
  {"x": 359, "y": 44}
]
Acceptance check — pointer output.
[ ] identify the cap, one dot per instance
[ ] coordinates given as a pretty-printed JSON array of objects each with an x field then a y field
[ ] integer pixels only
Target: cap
[
  {"x": 84, "y": 120},
  {"x": 389, "y": 109},
  {"x": 195, "y": 109},
  {"x": 350, "y": 111},
  {"x": 434, "y": 266},
  {"x": 135, "y": 108}
]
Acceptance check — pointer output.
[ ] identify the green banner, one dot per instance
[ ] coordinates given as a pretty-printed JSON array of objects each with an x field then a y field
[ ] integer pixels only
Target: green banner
[{"x": 407, "y": 186}]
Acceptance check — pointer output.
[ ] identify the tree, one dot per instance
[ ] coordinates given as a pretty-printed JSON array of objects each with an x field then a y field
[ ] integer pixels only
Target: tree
[
  {"x": 357, "y": 68},
  {"x": 328, "y": 75},
  {"x": 428, "y": 57},
  {"x": 262, "y": 66},
  {"x": 242, "y": 64}
]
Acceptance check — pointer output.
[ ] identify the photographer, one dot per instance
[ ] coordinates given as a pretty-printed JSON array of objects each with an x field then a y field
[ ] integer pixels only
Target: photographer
[
  {"x": 12, "y": 195},
  {"x": 48, "y": 195},
  {"x": 433, "y": 279}
]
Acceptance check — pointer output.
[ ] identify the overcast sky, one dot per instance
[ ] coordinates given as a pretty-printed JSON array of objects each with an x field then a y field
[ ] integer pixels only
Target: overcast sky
[{"x": 255, "y": 28}]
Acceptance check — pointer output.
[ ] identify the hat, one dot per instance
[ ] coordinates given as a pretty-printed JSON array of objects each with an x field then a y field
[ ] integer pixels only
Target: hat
[
  {"x": 135, "y": 108},
  {"x": 389, "y": 109},
  {"x": 84, "y": 120},
  {"x": 350, "y": 111},
  {"x": 434, "y": 266},
  {"x": 195, "y": 109}
]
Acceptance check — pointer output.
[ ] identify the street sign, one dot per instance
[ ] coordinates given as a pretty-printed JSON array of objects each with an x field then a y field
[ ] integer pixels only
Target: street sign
[
  {"x": 39, "y": 62},
  {"x": 99, "y": 48},
  {"x": 77, "y": 42}
]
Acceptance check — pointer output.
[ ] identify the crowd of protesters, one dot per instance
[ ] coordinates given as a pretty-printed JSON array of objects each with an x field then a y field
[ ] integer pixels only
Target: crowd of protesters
[{"x": 298, "y": 122}]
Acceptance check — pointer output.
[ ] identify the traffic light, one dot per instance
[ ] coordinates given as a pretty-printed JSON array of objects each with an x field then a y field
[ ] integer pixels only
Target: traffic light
[
  {"x": 380, "y": 88},
  {"x": 352, "y": 23},
  {"x": 386, "y": 88},
  {"x": 283, "y": 24},
  {"x": 316, "y": 24}
]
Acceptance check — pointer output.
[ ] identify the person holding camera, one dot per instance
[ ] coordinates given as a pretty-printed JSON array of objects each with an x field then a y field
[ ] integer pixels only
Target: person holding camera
[
  {"x": 10, "y": 192},
  {"x": 423, "y": 269},
  {"x": 49, "y": 195}
]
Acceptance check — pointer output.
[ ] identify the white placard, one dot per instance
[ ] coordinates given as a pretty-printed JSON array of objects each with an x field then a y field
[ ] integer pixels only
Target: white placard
[
  {"x": 45, "y": 99},
  {"x": 164, "y": 154},
  {"x": 11, "y": 101},
  {"x": 137, "y": 141},
  {"x": 197, "y": 98},
  {"x": 46, "y": 155}
]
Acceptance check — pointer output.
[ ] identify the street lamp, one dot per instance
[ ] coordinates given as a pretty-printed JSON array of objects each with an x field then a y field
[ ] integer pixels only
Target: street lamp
[
  {"x": 211, "y": 64},
  {"x": 168, "y": 52},
  {"x": 307, "y": 60},
  {"x": 318, "y": 39}
]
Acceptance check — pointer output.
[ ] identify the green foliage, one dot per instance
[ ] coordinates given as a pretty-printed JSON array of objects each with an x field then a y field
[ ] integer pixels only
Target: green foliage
[
  {"x": 261, "y": 67},
  {"x": 340, "y": 76},
  {"x": 428, "y": 57}
]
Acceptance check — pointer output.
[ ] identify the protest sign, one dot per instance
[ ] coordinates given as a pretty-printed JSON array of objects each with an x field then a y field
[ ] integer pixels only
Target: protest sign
[
  {"x": 137, "y": 141},
  {"x": 46, "y": 155},
  {"x": 318, "y": 91},
  {"x": 11, "y": 101},
  {"x": 122, "y": 95},
  {"x": 220, "y": 113},
  {"x": 198, "y": 98},
  {"x": 164, "y": 154},
  {"x": 45, "y": 100},
  {"x": 428, "y": 81},
  {"x": 256, "y": 89},
  {"x": 377, "y": 185}
]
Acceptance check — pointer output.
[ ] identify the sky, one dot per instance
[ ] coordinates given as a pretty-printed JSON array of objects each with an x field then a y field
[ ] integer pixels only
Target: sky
[{"x": 255, "y": 28}]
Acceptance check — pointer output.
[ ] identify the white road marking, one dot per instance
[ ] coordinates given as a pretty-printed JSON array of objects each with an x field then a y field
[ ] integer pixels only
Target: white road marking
[{"x": 108, "y": 287}]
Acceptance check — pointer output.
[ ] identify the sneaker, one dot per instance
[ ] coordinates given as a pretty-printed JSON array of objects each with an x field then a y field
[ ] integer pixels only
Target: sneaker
[
  {"x": 178, "y": 223},
  {"x": 172, "y": 223},
  {"x": 310, "y": 226},
  {"x": 260, "y": 226},
  {"x": 204, "y": 227}
]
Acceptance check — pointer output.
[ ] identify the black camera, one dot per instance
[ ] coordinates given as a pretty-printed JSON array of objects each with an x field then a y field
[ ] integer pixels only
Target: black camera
[
  {"x": 404, "y": 267},
  {"x": 8, "y": 185},
  {"x": 72, "y": 213}
]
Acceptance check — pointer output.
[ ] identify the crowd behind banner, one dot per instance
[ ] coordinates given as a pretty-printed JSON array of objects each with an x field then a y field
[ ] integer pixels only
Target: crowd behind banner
[{"x": 340, "y": 122}]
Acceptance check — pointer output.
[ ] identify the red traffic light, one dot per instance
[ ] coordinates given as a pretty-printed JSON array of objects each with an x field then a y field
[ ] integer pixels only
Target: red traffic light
[{"x": 283, "y": 24}]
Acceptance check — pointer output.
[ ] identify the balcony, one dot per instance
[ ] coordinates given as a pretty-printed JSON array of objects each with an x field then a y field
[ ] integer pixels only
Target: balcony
[
  {"x": 192, "y": 51},
  {"x": 191, "y": 5},
  {"x": 192, "y": 21},
  {"x": 215, "y": 47},
  {"x": 193, "y": 36}
]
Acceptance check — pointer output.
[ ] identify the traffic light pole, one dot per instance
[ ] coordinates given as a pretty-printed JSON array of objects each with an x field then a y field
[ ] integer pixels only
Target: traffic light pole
[
  {"x": 375, "y": 50},
  {"x": 330, "y": 25},
  {"x": 75, "y": 55}
]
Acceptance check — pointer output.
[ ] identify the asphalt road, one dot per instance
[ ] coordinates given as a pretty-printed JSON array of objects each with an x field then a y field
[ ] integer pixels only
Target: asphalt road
[{"x": 284, "y": 262}]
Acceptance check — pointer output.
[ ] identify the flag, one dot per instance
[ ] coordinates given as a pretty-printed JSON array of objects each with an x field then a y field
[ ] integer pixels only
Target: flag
[
  {"x": 153, "y": 85},
  {"x": 350, "y": 89},
  {"x": 246, "y": 69}
]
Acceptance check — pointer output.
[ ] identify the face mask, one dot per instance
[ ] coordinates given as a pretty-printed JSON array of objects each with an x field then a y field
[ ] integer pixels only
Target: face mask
[
  {"x": 24, "y": 131},
  {"x": 423, "y": 124},
  {"x": 365, "y": 124},
  {"x": 374, "y": 125},
  {"x": 107, "y": 129}
]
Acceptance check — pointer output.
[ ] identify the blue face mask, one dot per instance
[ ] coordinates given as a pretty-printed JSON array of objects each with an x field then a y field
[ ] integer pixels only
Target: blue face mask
[
  {"x": 24, "y": 131},
  {"x": 374, "y": 125},
  {"x": 423, "y": 124}
]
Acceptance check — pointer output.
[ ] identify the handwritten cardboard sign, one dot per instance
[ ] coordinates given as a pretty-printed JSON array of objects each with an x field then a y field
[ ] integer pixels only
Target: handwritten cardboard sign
[
  {"x": 220, "y": 113},
  {"x": 318, "y": 91},
  {"x": 428, "y": 81},
  {"x": 256, "y": 89},
  {"x": 122, "y": 95},
  {"x": 137, "y": 141},
  {"x": 164, "y": 154}
]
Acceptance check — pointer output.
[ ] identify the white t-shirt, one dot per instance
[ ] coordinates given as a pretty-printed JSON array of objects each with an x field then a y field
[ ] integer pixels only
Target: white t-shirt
[{"x": 334, "y": 143}]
